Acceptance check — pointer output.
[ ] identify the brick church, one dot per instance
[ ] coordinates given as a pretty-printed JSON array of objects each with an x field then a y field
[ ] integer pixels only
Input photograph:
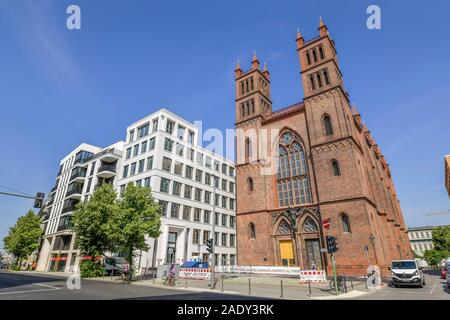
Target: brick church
[{"x": 327, "y": 167}]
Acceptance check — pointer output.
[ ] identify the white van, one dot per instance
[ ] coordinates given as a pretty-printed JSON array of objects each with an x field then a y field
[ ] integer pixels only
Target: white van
[{"x": 407, "y": 273}]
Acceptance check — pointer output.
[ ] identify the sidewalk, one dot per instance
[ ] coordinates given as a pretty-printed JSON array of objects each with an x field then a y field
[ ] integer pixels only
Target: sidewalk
[{"x": 259, "y": 286}]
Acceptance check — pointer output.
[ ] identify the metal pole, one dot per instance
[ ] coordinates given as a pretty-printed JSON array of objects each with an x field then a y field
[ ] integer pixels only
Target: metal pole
[
  {"x": 213, "y": 253},
  {"x": 281, "y": 296},
  {"x": 309, "y": 286},
  {"x": 222, "y": 281},
  {"x": 249, "y": 287},
  {"x": 334, "y": 273},
  {"x": 345, "y": 285},
  {"x": 185, "y": 282},
  {"x": 351, "y": 282}
]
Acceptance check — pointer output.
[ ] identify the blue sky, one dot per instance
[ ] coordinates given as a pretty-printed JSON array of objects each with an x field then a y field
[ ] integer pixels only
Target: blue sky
[{"x": 59, "y": 87}]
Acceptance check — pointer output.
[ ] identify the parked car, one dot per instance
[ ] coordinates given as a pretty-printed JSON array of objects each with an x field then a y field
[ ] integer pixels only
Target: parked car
[
  {"x": 407, "y": 273},
  {"x": 444, "y": 272},
  {"x": 114, "y": 264}
]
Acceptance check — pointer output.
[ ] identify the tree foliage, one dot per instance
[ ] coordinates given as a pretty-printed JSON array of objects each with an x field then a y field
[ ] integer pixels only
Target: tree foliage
[
  {"x": 23, "y": 238},
  {"x": 91, "y": 221},
  {"x": 138, "y": 216},
  {"x": 441, "y": 244}
]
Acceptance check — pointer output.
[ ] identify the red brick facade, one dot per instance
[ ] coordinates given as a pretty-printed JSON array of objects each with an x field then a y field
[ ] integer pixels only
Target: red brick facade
[{"x": 343, "y": 177}]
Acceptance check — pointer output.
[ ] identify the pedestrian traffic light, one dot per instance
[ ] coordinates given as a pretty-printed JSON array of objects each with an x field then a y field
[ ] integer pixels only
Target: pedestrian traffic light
[
  {"x": 210, "y": 245},
  {"x": 39, "y": 200},
  {"x": 331, "y": 244}
]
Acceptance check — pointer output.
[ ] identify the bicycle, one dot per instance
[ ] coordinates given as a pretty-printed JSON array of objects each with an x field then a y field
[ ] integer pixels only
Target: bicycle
[{"x": 340, "y": 280}]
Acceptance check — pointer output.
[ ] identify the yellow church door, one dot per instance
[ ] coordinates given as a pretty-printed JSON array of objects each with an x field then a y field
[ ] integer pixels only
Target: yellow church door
[{"x": 287, "y": 253}]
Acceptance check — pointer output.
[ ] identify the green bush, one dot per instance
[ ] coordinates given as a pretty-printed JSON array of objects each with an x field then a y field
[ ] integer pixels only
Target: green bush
[{"x": 90, "y": 269}]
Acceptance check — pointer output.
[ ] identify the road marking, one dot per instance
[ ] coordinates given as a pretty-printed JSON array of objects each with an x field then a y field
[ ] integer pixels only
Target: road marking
[{"x": 49, "y": 288}]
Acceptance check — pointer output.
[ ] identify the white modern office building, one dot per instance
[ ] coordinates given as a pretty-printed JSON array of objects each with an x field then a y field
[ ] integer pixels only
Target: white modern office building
[
  {"x": 80, "y": 172},
  {"x": 194, "y": 187}
]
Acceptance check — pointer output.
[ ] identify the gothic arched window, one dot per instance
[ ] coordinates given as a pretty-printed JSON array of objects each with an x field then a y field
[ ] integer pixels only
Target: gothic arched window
[
  {"x": 308, "y": 58},
  {"x": 250, "y": 184},
  {"x": 346, "y": 223},
  {"x": 325, "y": 77},
  {"x": 328, "y": 125},
  {"x": 310, "y": 225},
  {"x": 322, "y": 56},
  {"x": 336, "y": 168},
  {"x": 248, "y": 149},
  {"x": 292, "y": 172},
  {"x": 252, "y": 231},
  {"x": 315, "y": 55},
  {"x": 284, "y": 228}
]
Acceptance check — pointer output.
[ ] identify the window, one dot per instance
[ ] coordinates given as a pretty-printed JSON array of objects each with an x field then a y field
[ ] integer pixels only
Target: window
[
  {"x": 200, "y": 158},
  {"x": 198, "y": 175},
  {"x": 133, "y": 169},
  {"x": 143, "y": 130},
  {"x": 250, "y": 184},
  {"x": 232, "y": 206},
  {"x": 167, "y": 164},
  {"x": 224, "y": 202},
  {"x": 232, "y": 240},
  {"x": 125, "y": 172},
  {"x": 180, "y": 132},
  {"x": 128, "y": 153},
  {"x": 175, "y": 211},
  {"x": 139, "y": 183},
  {"x": 216, "y": 200},
  {"x": 345, "y": 223},
  {"x": 326, "y": 77},
  {"x": 216, "y": 218},
  {"x": 336, "y": 168},
  {"x": 188, "y": 172},
  {"x": 315, "y": 55},
  {"x": 149, "y": 163},
  {"x": 232, "y": 222},
  {"x": 135, "y": 150},
  {"x": 164, "y": 187},
  {"x": 198, "y": 194},
  {"x": 224, "y": 239},
  {"x": 141, "y": 166},
  {"x": 178, "y": 168},
  {"x": 322, "y": 56},
  {"x": 224, "y": 168},
  {"x": 206, "y": 216},
  {"x": 191, "y": 137},
  {"x": 187, "y": 192},
  {"x": 197, "y": 213},
  {"x": 224, "y": 220},
  {"x": 170, "y": 126},
  {"x": 207, "y": 197},
  {"x": 310, "y": 225},
  {"x": 180, "y": 149},
  {"x": 224, "y": 184},
  {"x": 186, "y": 213},
  {"x": 216, "y": 165},
  {"x": 196, "y": 236},
  {"x": 152, "y": 144},
  {"x": 147, "y": 182},
  {"x": 308, "y": 58},
  {"x": 155, "y": 125},
  {"x": 208, "y": 162},
  {"x": 231, "y": 187},
  {"x": 252, "y": 231},
  {"x": 205, "y": 237},
  {"x": 293, "y": 181},
  {"x": 190, "y": 154},
  {"x": 207, "y": 179},
  {"x": 143, "y": 147},
  {"x": 168, "y": 145},
  {"x": 248, "y": 149},
  {"x": 313, "y": 84},
  {"x": 216, "y": 182},
  {"x": 176, "y": 190},
  {"x": 131, "y": 136},
  {"x": 327, "y": 125}
]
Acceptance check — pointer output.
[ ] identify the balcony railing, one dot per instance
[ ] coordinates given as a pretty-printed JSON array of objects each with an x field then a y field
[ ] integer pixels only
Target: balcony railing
[
  {"x": 107, "y": 167},
  {"x": 68, "y": 208},
  {"x": 64, "y": 227},
  {"x": 76, "y": 190},
  {"x": 54, "y": 189},
  {"x": 77, "y": 174}
]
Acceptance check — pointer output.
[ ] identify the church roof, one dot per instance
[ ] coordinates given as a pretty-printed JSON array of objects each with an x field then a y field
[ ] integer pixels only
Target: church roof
[{"x": 284, "y": 112}]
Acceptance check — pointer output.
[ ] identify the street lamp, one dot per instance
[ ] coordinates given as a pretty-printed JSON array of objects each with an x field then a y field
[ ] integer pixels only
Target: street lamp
[
  {"x": 293, "y": 214},
  {"x": 213, "y": 253}
]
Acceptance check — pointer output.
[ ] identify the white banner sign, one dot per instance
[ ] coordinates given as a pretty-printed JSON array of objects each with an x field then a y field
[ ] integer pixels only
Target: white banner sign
[{"x": 312, "y": 276}]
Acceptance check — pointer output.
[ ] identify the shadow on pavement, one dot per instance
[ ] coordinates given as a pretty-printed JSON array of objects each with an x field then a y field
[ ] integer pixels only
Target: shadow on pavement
[
  {"x": 16, "y": 279},
  {"x": 197, "y": 296}
]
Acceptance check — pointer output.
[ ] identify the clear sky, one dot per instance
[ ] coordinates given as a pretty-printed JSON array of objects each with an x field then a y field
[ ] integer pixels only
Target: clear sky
[{"x": 59, "y": 88}]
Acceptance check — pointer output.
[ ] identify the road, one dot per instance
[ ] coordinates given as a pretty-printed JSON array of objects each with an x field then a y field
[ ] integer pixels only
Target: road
[
  {"x": 27, "y": 286},
  {"x": 435, "y": 289}
]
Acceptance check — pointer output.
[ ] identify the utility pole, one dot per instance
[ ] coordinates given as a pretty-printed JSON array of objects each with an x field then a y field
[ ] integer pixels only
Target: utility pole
[
  {"x": 213, "y": 253},
  {"x": 333, "y": 263}
]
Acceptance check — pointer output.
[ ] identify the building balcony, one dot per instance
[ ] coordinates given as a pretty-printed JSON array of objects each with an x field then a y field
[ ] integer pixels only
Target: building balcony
[
  {"x": 110, "y": 155},
  {"x": 54, "y": 189},
  {"x": 107, "y": 171},
  {"x": 69, "y": 208},
  {"x": 64, "y": 227}
]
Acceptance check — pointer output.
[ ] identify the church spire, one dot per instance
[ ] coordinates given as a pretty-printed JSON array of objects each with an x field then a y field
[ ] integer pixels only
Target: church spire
[
  {"x": 299, "y": 39},
  {"x": 323, "y": 30},
  {"x": 255, "y": 61}
]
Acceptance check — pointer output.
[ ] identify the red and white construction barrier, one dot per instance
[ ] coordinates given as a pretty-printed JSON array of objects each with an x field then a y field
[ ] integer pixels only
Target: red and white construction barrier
[
  {"x": 195, "y": 274},
  {"x": 312, "y": 276}
]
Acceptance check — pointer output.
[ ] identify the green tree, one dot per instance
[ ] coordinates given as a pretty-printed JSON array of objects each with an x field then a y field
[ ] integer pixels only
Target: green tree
[
  {"x": 441, "y": 239},
  {"x": 90, "y": 223},
  {"x": 23, "y": 238},
  {"x": 434, "y": 257},
  {"x": 138, "y": 216}
]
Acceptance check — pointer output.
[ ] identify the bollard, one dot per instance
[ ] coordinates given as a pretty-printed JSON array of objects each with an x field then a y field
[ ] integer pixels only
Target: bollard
[
  {"x": 185, "y": 282},
  {"x": 281, "y": 296},
  {"x": 112, "y": 274},
  {"x": 309, "y": 287},
  {"x": 249, "y": 287},
  {"x": 345, "y": 284},
  {"x": 222, "y": 281},
  {"x": 351, "y": 282},
  {"x": 365, "y": 282}
]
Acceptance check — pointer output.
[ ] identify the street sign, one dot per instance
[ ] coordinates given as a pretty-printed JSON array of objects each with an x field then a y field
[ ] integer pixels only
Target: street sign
[{"x": 326, "y": 223}]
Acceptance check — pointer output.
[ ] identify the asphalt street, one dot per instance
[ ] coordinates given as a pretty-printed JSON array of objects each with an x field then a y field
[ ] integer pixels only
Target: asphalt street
[{"x": 26, "y": 286}]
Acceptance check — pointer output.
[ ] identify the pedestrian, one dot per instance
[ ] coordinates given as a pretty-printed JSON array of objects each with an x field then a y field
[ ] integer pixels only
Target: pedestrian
[{"x": 314, "y": 266}]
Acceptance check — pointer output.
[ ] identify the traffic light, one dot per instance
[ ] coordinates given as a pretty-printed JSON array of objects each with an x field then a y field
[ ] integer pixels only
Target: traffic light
[
  {"x": 39, "y": 200},
  {"x": 331, "y": 244},
  {"x": 210, "y": 245}
]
